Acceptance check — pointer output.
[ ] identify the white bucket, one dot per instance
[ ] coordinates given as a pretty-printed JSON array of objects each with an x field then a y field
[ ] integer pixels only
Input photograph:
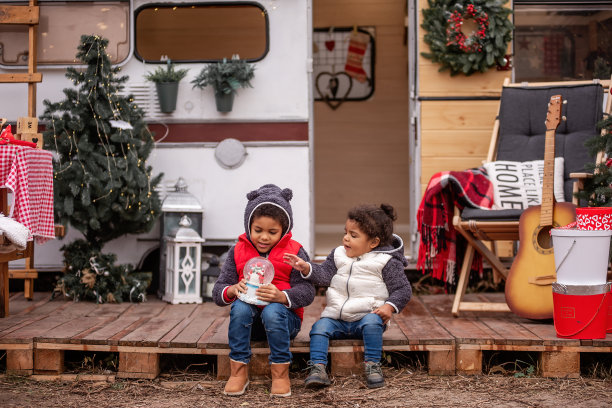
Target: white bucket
[{"x": 581, "y": 256}]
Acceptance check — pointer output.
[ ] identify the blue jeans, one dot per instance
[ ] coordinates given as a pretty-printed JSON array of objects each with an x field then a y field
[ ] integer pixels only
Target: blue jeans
[
  {"x": 274, "y": 322},
  {"x": 370, "y": 328}
]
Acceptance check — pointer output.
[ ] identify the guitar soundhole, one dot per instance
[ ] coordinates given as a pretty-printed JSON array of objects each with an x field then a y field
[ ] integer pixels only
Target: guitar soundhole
[
  {"x": 542, "y": 241},
  {"x": 544, "y": 238}
]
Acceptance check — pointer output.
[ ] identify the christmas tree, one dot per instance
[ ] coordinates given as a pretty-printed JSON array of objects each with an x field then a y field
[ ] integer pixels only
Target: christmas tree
[
  {"x": 597, "y": 191},
  {"x": 102, "y": 185}
]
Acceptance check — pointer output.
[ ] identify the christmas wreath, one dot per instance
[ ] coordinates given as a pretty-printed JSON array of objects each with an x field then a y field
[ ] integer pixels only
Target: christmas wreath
[{"x": 467, "y": 52}]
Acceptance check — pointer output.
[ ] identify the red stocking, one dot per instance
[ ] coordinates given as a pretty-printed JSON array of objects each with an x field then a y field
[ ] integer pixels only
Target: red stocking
[{"x": 358, "y": 44}]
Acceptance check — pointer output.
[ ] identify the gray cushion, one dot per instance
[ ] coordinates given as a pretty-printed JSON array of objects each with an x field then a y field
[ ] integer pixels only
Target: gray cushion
[
  {"x": 522, "y": 129},
  {"x": 491, "y": 215},
  {"x": 522, "y": 133}
]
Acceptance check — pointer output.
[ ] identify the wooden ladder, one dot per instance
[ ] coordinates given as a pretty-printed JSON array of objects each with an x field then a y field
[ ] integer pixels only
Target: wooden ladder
[{"x": 23, "y": 15}]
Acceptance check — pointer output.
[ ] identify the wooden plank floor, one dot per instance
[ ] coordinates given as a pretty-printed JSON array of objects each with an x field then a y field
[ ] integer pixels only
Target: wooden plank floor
[{"x": 37, "y": 333}]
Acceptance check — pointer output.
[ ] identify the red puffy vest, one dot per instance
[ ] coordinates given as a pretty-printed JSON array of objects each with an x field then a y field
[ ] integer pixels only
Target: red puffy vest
[{"x": 244, "y": 251}]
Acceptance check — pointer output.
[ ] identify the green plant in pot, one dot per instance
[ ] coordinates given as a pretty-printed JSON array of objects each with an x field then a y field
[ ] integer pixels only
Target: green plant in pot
[
  {"x": 166, "y": 81},
  {"x": 225, "y": 77}
]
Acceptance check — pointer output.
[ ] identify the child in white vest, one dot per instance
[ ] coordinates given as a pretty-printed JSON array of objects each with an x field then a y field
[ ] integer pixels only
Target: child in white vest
[{"x": 367, "y": 284}]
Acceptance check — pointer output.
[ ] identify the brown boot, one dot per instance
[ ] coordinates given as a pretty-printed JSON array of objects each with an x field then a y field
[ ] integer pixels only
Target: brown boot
[
  {"x": 239, "y": 378},
  {"x": 281, "y": 386}
]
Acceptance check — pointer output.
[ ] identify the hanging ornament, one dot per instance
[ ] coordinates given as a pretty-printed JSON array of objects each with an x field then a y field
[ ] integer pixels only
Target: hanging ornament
[
  {"x": 330, "y": 44},
  {"x": 358, "y": 44}
]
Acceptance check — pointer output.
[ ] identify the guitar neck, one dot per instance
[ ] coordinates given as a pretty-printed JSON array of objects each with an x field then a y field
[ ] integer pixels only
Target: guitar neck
[{"x": 546, "y": 209}]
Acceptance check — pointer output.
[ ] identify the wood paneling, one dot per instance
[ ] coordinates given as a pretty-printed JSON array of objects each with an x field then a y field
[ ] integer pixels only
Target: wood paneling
[
  {"x": 361, "y": 149},
  {"x": 455, "y": 134}
]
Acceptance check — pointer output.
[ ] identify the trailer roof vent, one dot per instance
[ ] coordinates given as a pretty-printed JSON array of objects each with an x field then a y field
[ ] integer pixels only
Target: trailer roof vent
[{"x": 145, "y": 97}]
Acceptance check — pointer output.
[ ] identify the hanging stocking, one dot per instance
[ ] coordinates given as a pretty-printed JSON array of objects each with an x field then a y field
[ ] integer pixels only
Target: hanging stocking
[{"x": 358, "y": 44}]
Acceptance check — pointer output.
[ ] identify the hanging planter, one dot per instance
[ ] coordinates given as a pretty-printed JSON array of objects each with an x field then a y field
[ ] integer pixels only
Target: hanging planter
[
  {"x": 167, "y": 82},
  {"x": 167, "y": 93},
  {"x": 225, "y": 77},
  {"x": 224, "y": 101},
  {"x": 462, "y": 52}
]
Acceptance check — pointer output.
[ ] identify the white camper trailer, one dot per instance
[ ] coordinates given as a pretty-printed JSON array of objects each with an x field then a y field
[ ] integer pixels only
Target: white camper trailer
[{"x": 268, "y": 128}]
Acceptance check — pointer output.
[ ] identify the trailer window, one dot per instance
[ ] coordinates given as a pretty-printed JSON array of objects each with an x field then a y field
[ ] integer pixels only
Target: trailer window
[
  {"x": 60, "y": 28},
  {"x": 562, "y": 41},
  {"x": 201, "y": 32}
]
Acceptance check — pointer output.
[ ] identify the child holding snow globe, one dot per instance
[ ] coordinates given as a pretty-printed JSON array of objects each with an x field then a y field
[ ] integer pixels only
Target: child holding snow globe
[{"x": 267, "y": 296}]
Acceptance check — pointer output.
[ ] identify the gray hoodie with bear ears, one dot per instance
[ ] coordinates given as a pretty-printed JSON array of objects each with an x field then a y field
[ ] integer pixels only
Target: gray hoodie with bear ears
[{"x": 302, "y": 292}]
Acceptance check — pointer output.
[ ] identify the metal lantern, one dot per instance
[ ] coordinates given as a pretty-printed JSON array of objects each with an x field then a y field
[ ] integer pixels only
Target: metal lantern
[
  {"x": 177, "y": 204},
  {"x": 183, "y": 256}
]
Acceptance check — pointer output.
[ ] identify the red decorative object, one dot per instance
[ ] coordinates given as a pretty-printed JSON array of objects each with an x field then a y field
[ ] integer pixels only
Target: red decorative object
[
  {"x": 594, "y": 218},
  {"x": 455, "y": 36},
  {"x": 6, "y": 137},
  {"x": 28, "y": 173},
  {"x": 330, "y": 44}
]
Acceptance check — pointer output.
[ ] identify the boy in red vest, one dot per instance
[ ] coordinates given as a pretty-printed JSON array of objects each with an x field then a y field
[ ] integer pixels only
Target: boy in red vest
[{"x": 268, "y": 221}]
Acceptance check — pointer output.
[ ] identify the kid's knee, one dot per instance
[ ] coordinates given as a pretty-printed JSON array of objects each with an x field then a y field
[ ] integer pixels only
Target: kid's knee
[
  {"x": 240, "y": 310},
  {"x": 274, "y": 314},
  {"x": 322, "y": 327}
]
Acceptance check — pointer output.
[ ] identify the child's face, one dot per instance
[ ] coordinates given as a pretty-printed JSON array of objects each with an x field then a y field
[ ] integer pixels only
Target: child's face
[
  {"x": 355, "y": 241},
  {"x": 265, "y": 233}
]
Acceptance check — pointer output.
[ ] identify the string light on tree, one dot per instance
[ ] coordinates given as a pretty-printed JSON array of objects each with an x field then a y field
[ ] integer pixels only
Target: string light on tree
[{"x": 98, "y": 196}]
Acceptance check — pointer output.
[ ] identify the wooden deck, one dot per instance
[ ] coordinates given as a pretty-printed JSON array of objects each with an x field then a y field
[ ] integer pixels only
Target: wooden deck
[{"x": 38, "y": 332}]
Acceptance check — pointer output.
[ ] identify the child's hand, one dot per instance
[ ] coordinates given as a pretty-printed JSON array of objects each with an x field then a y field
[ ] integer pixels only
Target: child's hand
[
  {"x": 270, "y": 293},
  {"x": 385, "y": 312},
  {"x": 234, "y": 290},
  {"x": 297, "y": 263}
]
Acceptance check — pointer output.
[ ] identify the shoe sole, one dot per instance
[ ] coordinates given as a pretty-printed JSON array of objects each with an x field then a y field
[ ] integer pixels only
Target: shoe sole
[
  {"x": 237, "y": 393},
  {"x": 377, "y": 385},
  {"x": 316, "y": 384}
]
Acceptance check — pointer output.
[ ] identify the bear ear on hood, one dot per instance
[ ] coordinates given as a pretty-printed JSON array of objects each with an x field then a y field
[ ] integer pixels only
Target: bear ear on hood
[
  {"x": 252, "y": 195},
  {"x": 287, "y": 194}
]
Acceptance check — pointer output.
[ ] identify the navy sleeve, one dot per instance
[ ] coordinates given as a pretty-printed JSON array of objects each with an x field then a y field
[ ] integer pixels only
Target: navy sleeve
[
  {"x": 302, "y": 292},
  {"x": 322, "y": 274},
  {"x": 400, "y": 290},
  {"x": 227, "y": 277}
]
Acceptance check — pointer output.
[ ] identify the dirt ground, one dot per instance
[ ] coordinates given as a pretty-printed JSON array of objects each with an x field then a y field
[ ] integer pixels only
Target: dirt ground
[{"x": 405, "y": 388}]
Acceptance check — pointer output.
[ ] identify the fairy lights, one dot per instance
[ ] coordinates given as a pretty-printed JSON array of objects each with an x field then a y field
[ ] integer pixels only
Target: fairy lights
[{"x": 117, "y": 150}]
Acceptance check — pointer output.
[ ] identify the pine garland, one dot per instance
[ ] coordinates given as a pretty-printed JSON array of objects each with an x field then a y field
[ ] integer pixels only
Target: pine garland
[
  {"x": 597, "y": 191},
  {"x": 477, "y": 52}
]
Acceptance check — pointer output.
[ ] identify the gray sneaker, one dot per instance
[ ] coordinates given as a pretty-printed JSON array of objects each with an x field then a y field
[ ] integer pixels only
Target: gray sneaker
[
  {"x": 318, "y": 377},
  {"x": 374, "y": 375}
]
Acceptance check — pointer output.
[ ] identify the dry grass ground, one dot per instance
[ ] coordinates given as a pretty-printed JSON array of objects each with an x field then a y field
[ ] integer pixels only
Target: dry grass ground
[{"x": 405, "y": 388}]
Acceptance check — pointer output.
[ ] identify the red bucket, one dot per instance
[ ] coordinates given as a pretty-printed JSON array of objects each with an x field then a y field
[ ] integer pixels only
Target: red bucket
[
  {"x": 594, "y": 218},
  {"x": 580, "y": 311}
]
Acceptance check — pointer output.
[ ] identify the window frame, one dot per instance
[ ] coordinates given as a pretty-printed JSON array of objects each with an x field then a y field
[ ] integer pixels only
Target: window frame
[
  {"x": 188, "y": 4},
  {"x": 552, "y": 4},
  {"x": 63, "y": 65}
]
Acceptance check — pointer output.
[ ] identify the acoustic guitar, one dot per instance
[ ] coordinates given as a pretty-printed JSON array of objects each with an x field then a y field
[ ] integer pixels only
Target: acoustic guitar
[{"x": 529, "y": 282}]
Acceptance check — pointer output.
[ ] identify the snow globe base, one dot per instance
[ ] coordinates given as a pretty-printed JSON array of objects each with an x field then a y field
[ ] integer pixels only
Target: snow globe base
[{"x": 251, "y": 297}]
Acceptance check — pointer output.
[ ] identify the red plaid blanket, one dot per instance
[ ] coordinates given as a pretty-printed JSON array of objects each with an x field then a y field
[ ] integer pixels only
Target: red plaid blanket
[
  {"x": 28, "y": 173},
  {"x": 445, "y": 191}
]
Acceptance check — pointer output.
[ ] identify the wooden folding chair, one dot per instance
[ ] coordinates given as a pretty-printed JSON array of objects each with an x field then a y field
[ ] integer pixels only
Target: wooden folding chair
[{"x": 527, "y": 102}]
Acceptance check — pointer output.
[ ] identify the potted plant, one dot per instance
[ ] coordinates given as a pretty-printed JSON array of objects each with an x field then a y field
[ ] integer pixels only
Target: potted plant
[
  {"x": 225, "y": 77},
  {"x": 166, "y": 81}
]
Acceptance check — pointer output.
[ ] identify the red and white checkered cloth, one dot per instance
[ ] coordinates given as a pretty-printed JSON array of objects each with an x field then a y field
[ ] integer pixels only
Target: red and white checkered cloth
[{"x": 28, "y": 173}]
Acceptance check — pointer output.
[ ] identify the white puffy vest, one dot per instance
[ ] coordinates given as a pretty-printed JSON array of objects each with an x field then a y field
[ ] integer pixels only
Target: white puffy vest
[{"x": 357, "y": 288}]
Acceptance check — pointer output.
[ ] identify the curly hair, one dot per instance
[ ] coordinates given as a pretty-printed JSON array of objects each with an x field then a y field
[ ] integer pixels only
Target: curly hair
[
  {"x": 272, "y": 211},
  {"x": 375, "y": 222}
]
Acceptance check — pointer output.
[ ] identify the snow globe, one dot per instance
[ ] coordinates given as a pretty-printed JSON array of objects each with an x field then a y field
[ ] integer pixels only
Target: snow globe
[{"x": 257, "y": 272}]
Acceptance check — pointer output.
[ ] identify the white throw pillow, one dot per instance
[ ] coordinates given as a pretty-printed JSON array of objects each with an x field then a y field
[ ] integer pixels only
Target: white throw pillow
[{"x": 519, "y": 184}]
